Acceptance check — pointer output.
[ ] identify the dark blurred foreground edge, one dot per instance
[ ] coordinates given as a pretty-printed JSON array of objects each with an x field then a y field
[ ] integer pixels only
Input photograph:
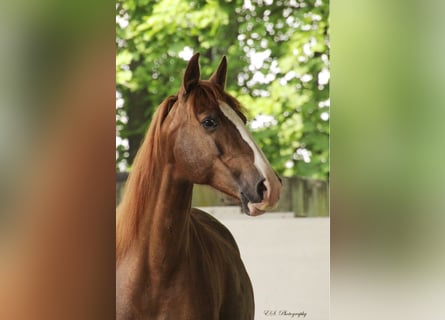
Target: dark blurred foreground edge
[{"x": 57, "y": 245}]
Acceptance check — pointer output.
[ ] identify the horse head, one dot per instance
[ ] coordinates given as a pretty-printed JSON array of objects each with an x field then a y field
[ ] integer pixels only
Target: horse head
[{"x": 209, "y": 143}]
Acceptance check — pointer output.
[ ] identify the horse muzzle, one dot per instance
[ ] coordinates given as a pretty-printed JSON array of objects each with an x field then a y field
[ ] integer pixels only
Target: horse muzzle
[{"x": 266, "y": 196}]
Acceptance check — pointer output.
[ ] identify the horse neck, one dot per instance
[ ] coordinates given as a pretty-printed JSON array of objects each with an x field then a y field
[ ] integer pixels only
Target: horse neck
[
  {"x": 167, "y": 219},
  {"x": 160, "y": 225}
]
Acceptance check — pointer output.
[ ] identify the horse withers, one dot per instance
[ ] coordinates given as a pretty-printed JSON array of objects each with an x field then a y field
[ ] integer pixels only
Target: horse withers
[{"x": 173, "y": 261}]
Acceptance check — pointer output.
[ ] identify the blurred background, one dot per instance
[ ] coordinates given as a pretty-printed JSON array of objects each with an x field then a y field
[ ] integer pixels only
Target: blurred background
[
  {"x": 387, "y": 155},
  {"x": 57, "y": 160},
  {"x": 278, "y": 67}
]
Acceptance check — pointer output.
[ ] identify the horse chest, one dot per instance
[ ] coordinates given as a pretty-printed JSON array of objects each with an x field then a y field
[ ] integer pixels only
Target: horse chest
[
  {"x": 139, "y": 297},
  {"x": 208, "y": 281}
]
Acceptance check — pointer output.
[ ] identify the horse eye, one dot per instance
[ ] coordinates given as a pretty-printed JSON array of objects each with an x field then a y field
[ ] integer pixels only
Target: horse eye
[{"x": 209, "y": 123}]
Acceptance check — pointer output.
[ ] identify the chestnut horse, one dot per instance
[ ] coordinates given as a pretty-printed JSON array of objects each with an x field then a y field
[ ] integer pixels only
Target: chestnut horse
[{"x": 172, "y": 261}]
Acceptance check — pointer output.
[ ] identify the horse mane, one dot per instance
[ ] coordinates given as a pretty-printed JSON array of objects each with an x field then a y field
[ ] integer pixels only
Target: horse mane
[{"x": 138, "y": 184}]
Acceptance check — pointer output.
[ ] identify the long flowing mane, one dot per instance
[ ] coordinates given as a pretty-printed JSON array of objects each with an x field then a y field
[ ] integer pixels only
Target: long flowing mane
[{"x": 138, "y": 184}]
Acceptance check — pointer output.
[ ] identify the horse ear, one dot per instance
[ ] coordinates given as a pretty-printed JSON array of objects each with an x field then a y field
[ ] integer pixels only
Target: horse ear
[
  {"x": 219, "y": 77},
  {"x": 191, "y": 75}
]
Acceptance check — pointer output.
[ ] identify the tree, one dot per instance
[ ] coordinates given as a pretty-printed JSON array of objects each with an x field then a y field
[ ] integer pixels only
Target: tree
[{"x": 278, "y": 68}]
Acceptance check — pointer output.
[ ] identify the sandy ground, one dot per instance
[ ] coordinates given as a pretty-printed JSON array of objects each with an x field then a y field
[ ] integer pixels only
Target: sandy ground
[{"x": 288, "y": 262}]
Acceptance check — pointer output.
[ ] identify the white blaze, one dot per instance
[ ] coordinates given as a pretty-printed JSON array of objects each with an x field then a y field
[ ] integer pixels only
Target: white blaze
[{"x": 272, "y": 183}]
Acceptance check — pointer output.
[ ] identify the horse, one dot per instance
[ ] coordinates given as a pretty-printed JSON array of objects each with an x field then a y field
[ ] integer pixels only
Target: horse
[{"x": 174, "y": 261}]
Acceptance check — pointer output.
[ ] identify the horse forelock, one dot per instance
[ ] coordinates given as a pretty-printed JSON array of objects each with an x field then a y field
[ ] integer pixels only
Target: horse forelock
[{"x": 207, "y": 96}]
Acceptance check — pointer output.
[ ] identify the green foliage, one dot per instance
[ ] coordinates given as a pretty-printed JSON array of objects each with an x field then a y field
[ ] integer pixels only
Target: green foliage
[{"x": 278, "y": 68}]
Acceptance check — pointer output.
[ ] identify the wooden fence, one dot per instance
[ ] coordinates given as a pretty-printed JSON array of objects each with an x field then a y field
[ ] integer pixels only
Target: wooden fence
[{"x": 302, "y": 196}]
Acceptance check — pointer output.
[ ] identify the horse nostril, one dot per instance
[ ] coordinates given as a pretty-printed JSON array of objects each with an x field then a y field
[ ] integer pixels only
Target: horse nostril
[{"x": 260, "y": 188}]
